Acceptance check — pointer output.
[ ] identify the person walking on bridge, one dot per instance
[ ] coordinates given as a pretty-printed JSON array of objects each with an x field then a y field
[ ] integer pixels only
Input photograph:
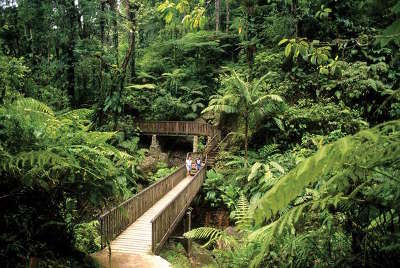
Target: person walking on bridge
[
  {"x": 198, "y": 164},
  {"x": 188, "y": 164}
]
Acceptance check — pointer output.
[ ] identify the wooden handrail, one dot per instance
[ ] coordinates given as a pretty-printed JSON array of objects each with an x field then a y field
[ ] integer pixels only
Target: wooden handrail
[
  {"x": 116, "y": 220},
  {"x": 165, "y": 221},
  {"x": 212, "y": 143}
]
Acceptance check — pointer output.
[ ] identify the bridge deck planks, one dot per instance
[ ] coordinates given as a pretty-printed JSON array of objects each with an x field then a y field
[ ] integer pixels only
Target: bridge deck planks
[{"x": 137, "y": 237}]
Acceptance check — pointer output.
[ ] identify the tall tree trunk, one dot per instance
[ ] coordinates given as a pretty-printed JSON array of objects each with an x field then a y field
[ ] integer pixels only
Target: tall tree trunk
[
  {"x": 114, "y": 8},
  {"x": 251, "y": 48},
  {"x": 2, "y": 92},
  {"x": 228, "y": 14},
  {"x": 70, "y": 47},
  {"x": 246, "y": 135},
  {"x": 132, "y": 18},
  {"x": 217, "y": 14},
  {"x": 296, "y": 19},
  {"x": 133, "y": 58},
  {"x": 102, "y": 20}
]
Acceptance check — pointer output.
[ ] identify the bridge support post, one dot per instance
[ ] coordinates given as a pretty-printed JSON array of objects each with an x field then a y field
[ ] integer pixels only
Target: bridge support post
[
  {"x": 187, "y": 222},
  {"x": 195, "y": 143},
  {"x": 208, "y": 139},
  {"x": 154, "y": 143}
]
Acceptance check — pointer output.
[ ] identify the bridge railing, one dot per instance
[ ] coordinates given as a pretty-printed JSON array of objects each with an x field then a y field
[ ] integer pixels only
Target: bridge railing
[
  {"x": 166, "y": 220},
  {"x": 177, "y": 128},
  {"x": 116, "y": 220}
]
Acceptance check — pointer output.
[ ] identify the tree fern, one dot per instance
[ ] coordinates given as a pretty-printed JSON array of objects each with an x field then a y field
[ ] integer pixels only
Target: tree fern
[
  {"x": 57, "y": 150},
  {"x": 334, "y": 162},
  {"x": 287, "y": 223},
  {"x": 243, "y": 98},
  {"x": 341, "y": 169}
]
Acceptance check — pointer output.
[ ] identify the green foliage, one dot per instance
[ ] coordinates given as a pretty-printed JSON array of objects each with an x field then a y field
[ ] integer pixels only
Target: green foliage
[
  {"x": 268, "y": 150},
  {"x": 186, "y": 77},
  {"x": 176, "y": 255},
  {"x": 216, "y": 190},
  {"x": 162, "y": 171},
  {"x": 234, "y": 177},
  {"x": 313, "y": 52},
  {"x": 87, "y": 238},
  {"x": 323, "y": 13},
  {"x": 324, "y": 119},
  {"x": 56, "y": 173},
  {"x": 12, "y": 74}
]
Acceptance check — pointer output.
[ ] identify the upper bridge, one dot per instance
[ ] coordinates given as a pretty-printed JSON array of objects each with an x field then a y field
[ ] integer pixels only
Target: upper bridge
[{"x": 178, "y": 128}]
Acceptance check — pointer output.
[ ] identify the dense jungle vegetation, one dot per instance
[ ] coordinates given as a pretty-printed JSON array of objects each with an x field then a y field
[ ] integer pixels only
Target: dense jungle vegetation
[{"x": 306, "y": 93}]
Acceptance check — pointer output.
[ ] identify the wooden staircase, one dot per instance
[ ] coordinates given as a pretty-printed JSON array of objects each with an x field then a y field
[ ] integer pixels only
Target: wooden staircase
[
  {"x": 211, "y": 157},
  {"x": 211, "y": 150}
]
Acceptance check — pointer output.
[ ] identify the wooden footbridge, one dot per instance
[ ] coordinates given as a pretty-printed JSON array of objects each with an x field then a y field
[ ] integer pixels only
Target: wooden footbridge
[{"x": 142, "y": 224}]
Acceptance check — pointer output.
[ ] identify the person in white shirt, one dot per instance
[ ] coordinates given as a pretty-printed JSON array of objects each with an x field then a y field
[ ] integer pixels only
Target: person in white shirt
[{"x": 188, "y": 165}]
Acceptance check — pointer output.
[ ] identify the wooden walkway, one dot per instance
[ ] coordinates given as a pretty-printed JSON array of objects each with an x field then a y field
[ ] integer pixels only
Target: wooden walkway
[
  {"x": 137, "y": 238},
  {"x": 142, "y": 224}
]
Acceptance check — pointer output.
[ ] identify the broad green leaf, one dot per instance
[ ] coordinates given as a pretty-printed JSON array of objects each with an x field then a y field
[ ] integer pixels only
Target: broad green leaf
[
  {"x": 283, "y": 41},
  {"x": 288, "y": 50}
]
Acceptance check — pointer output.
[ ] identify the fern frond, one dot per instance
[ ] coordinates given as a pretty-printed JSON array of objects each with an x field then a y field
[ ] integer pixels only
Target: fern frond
[
  {"x": 220, "y": 108},
  {"x": 241, "y": 214},
  {"x": 254, "y": 170},
  {"x": 202, "y": 233},
  {"x": 269, "y": 149},
  {"x": 32, "y": 105},
  {"x": 77, "y": 114},
  {"x": 277, "y": 166},
  {"x": 98, "y": 137}
]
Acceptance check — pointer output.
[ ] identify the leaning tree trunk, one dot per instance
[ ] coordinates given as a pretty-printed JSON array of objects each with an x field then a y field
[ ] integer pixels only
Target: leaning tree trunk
[{"x": 217, "y": 14}]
